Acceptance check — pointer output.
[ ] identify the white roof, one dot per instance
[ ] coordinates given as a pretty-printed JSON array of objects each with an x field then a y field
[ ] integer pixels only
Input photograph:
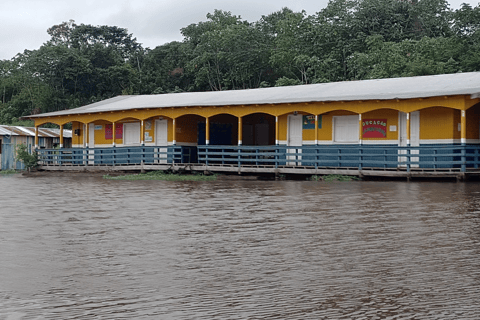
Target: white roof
[
  {"x": 378, "y": 89},
  {"x": 30, "y": 132}
]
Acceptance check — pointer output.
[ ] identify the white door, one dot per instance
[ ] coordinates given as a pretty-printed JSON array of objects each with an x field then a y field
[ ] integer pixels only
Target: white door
[
  {"x": 295, "y": 138},
  {"x": 415, "y": 135},
  {"x": 91, "y": 143},
  {"x": 402, "y": 137},
  {"x": 345, "y": 129},
  {"x": 161, "y": 139},
  {"x": 131, "y": 134}
]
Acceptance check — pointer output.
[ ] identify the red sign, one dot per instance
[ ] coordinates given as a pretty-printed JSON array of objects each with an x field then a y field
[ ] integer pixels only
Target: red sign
[
  {"x": 118, "y": 131},
  {"x": 374, "y": 128}
]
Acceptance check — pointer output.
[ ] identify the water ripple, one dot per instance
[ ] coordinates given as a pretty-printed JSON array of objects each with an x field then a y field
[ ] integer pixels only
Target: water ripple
[{"x": 80, "y": 247}]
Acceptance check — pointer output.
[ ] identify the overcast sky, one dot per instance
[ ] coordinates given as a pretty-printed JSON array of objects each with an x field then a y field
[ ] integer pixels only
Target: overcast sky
[{"x": 24, "y": 23}]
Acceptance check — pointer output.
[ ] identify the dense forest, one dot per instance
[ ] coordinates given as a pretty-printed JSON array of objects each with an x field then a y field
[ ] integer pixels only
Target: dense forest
[{"x": 347, "y": 40}]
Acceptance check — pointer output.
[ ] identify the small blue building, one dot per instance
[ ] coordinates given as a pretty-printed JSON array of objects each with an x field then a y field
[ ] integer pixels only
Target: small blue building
[{"x": 11, "y": 136}]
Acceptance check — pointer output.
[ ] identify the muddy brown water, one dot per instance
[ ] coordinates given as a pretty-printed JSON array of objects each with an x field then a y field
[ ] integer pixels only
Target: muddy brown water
[{"x": 80, "y": 247}]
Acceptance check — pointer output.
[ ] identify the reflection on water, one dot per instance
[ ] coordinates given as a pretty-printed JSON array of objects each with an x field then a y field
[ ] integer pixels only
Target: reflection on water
[{"x": 85, "y": 248}]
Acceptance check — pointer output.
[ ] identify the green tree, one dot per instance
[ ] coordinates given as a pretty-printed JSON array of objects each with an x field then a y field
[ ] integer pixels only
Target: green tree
[
  {"x": 228, "y": 53},
  {"x": 30, "y": 160}
]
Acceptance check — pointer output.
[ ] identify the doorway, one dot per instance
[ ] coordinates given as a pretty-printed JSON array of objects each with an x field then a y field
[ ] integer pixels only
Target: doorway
[
  {"x": 131, "y": 134},
  {"x": 414, "y": 136},
  {"x": 161, "y": 139},
  {"x": 294, "y": 138},
  {"x": 91, "y": 143}
]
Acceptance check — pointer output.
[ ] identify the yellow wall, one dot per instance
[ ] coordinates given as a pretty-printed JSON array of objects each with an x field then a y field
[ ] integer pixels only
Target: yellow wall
[
  {"x": 436, "y": 122},
  {"x": 77, "y": 140}
]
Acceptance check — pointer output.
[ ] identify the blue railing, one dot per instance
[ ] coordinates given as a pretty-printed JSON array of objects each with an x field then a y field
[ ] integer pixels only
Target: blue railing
[
  {"x": 112, "y": 156},
  {"x": 458, "y": 157}
]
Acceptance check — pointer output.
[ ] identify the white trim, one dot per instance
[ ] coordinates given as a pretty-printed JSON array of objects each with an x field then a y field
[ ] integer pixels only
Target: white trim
[
  {"x": 239, "y": 142},
  {"x": 441, "y": 141},
  {"x": 375, "y": 142},
  {"x": 103, "y": 145},
  {"x": 324, "y": 142},
  {"x": 344, "y": 143}
]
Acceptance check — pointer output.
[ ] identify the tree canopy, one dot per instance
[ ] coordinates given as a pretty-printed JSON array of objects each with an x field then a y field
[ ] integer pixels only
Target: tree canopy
[{"x": 346, "y": 40}]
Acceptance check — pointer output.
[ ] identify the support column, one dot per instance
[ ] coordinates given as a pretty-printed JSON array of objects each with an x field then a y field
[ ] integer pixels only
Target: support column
[
  {"x": 36, "y": 137},
  {"x": 207, "y": 131},
  {"x": 408, "y": 144},
  {"x": 463, "y": 140},
  {"x": 316, "y": 129},
  {"x": 277, "y": 134},
  {"x": 360, "y": 127},
  {"x": 113, "y": 133},
  {"x": 174, "y": 132},
  {"x": 86, "y": 135},
  {"x": 408, "y": 128},
  {"x": 61, "y": 136},
  {"x": 240, "y": 132},
  {"x": 142, "y": 133}
]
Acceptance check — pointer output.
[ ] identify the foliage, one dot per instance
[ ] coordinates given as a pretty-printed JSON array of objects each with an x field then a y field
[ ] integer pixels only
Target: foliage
[
  {"x": 6, "y": 172},
  {"x": 161, "y": 175},
  {"x": 30, "y": 160},
  {"x": 346, "y": 40}
]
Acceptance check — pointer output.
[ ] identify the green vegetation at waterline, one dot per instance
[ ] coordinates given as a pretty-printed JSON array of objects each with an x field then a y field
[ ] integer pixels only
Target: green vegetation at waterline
[
  {"x": 333, "y": 177},
  {"x": 29, "y": 159},
  {"x": 7, "y": 172},
  {"x": 160, "y": 175}
]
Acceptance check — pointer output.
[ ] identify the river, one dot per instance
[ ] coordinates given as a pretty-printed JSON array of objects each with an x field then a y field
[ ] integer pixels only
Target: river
[{"x": 81, "y": 247}]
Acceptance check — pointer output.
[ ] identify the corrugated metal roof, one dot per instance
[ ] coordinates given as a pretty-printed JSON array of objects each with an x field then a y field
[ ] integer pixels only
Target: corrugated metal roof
[
  {"x": 378, "y": 89},
  {"x": 29, "y": 131}
]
